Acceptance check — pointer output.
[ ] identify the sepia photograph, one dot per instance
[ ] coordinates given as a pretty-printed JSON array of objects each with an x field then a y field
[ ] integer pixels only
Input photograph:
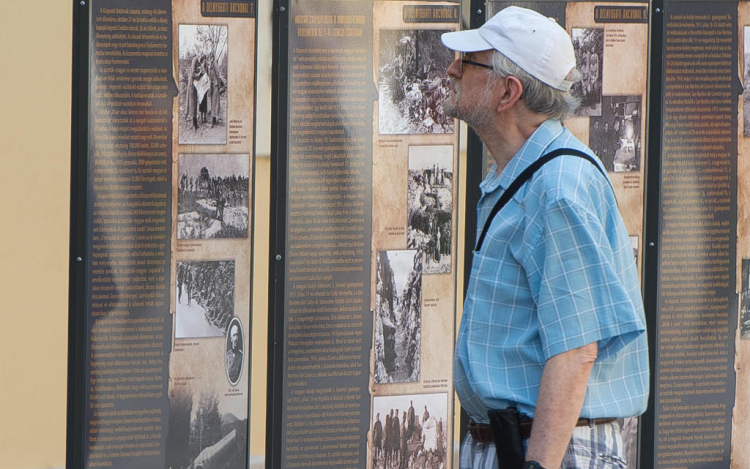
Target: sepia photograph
[
  {"x": 430, "y": 205},
  {"x": 413, "y": 83},
  {"x": 205, "y": 298},
  {"x": 554, "y": 10},
  {"x": 746, "y": 82},
  {"x": 616, "y": 136},
  {"x": 213, "y": 196},
  {"x": 629, "y": 433},
  {"x": 235, "y": 354},
  {"x": 745, "y": 300},
  {"x": 398, "y": 317},
  {"x": 200, "y": 435},
  {"x": 409, "y": 431},
  {"x": 588, "y": 44},
  {"x": 202, "y": 84},
  {"x": 635, "y": 243}
]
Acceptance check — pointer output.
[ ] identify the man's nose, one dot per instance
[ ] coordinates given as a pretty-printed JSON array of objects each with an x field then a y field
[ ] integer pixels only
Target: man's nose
[{"x": 454, "y": 68}]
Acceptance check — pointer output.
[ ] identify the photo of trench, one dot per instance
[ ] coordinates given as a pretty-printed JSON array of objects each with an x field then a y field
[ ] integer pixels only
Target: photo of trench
[{"x": 398, "y": 316}]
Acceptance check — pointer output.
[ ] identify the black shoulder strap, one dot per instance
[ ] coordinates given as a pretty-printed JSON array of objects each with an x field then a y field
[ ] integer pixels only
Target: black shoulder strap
[{"x": 525, "y": 176}]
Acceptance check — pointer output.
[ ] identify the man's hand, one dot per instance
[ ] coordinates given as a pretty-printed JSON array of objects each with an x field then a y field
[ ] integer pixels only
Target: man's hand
[{"x": 561, "y": 393}]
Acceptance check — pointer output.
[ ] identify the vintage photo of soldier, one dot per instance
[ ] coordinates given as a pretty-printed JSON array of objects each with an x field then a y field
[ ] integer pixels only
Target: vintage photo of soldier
[
  {"x": 203, "y": 84},
  {"x": 616, "y": 136},
  {"x": 745, "y": 300},
  {"x": 201, "y": 434},
  {"x": 213, "y": 196},
  {"x": 204, "y": 297},
  {"x": 409, "y": 431},
  {"x": 430, "y": 205},
  {"x": 235, "y": 354},
  {"x": 398, "y": 316},
  {"x": 588, "y": 44},
  {"x": 413, "y": 84}
]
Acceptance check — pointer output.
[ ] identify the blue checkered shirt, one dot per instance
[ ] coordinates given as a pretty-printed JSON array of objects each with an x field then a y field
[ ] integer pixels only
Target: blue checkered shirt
[{"x": 556, "y": 272}]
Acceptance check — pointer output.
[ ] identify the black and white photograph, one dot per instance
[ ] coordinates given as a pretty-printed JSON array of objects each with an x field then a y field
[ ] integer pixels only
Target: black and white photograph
[
  {"x": 409, "y": 431},
  {"x": 629, "y": 433},
  {"x": 235, "y": 355},
  {"x": 205, "y": 298},
  {"x": 634, "y": 242},
  {"x": 616, "y": 136},
  {"x": 745, "y": 300},
  {"x": 213, "y": 196},
  {"x": 201, "y": 435},
  {"x": 746, "y": 81},
  {"x": 588, "y": 44},
  {"x": 413, "y": 83},
  {"x": 203, "y": 84},
  {"x": 430, "y": 205},
  {"x": 398, "y": 316}
]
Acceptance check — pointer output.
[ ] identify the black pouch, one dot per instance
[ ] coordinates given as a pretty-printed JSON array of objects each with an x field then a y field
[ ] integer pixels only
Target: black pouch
[{"x": 506, "y": 428}]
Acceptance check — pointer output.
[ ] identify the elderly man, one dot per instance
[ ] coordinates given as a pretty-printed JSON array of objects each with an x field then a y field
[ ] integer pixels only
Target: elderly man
[{"x": 553, "y": 329}]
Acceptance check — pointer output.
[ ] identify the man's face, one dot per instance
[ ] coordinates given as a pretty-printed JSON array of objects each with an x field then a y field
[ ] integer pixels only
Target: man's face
[
  {"x": 471, "y": 97},
  {"x": 234, "y": 337}
]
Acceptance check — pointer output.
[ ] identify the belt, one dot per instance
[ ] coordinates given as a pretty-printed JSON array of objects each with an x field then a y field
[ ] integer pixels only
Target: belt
[{"x": 482, "y": 433}]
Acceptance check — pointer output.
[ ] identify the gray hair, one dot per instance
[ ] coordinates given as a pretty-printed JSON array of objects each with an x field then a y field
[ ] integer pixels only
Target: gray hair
[{"x": 537, "y": 95}]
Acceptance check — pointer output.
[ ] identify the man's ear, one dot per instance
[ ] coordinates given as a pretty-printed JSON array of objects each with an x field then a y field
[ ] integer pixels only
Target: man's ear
[{"x": 511, "y": 90}]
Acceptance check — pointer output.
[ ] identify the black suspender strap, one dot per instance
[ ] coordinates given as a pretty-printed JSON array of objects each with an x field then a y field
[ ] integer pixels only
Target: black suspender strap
[{"x": 525, "y": 176}]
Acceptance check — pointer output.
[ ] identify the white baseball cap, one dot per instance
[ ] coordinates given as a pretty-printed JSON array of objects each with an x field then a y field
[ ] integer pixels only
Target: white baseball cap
[{"x": 537, "y": 44}]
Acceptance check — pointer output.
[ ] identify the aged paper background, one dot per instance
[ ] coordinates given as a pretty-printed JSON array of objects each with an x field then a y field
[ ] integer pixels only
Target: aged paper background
[
  {"x": 389, "y": 232},
  {"x": 741, "y": 415},
  {"x": 199, "y": 363},
  {"x": 625, "y": 71}
]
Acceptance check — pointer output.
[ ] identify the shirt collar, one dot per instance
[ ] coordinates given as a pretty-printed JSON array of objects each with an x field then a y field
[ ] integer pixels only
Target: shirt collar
[{"x": 532, "y": 149}]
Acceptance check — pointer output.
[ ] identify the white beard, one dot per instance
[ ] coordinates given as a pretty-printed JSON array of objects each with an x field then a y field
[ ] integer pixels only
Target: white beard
[
  {"x": 478, "y": 116},
  {"x": 450, "y": 103}
]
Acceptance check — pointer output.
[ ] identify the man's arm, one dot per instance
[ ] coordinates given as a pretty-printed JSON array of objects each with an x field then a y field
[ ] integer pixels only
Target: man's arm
[{"x": 561, "y": 393}]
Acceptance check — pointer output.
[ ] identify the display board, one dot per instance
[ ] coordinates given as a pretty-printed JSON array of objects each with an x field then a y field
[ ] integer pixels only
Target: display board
[
  {"x": 365, "y": 242},
  {"x": 696, "y": 315},
  {"x": 365, "y": 196},
  {"x": 611, "y": 44},
  {"x": 163, "y": 135}
]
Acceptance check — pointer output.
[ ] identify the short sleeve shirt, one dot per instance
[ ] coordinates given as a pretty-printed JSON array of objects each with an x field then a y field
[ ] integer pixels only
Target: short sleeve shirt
[{"x": 556, "y": 272}]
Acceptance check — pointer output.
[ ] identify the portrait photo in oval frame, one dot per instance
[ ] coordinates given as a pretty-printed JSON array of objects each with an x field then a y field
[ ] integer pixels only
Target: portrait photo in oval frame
[{"x": 234, "y": 356}]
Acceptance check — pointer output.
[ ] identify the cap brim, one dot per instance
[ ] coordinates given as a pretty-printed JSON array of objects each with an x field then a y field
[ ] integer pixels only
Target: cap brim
[{"x": 465, "y": 41}]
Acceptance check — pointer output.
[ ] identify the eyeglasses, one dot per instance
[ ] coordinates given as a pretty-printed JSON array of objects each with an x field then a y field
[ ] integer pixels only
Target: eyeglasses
[{"x": 471, "y": 62}]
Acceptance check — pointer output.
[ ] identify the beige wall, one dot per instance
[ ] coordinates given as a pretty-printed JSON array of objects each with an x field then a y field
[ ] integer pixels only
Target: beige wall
[
  {"x": 36, "y": 56},
  {"x": 35, "y": 145}
]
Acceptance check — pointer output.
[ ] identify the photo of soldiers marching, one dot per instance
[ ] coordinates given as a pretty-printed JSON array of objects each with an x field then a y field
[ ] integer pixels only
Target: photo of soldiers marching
[
  {"x": 413, "y": 82},
  {"x": 409, "y": 432},
  {"x": 213, "y": 196},
  {"x": 204, "y": 296}
]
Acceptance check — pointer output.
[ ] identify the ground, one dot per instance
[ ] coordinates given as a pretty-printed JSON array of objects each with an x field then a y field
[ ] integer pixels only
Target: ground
[
  {"x": 191, "y": 320},
  {"x": 205, "y": 134}
]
